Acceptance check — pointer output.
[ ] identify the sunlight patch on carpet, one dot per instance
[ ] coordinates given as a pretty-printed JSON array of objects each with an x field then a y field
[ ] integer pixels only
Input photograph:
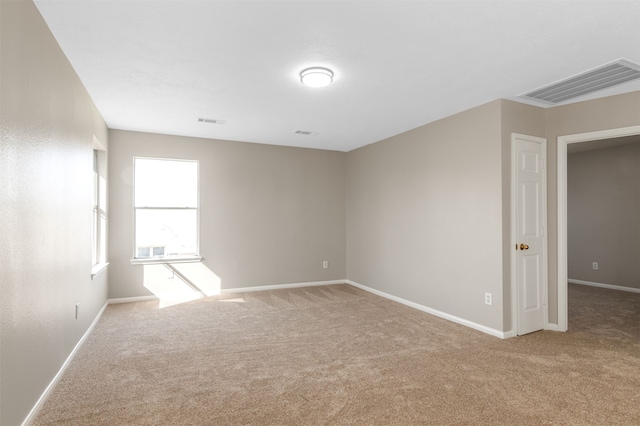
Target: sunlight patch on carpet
[{"x": 174, "y": 284}]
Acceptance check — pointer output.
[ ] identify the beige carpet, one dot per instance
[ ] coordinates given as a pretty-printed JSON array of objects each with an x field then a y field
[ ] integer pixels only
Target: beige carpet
[{"x": 338, "y": 355}]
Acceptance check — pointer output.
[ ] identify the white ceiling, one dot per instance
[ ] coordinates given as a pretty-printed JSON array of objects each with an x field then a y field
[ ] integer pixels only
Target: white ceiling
[{"x": 156, "y": 66}]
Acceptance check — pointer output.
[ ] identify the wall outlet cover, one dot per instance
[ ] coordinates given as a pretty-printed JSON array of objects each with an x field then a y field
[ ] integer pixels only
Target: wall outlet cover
[{"x": 488, "y": 299}]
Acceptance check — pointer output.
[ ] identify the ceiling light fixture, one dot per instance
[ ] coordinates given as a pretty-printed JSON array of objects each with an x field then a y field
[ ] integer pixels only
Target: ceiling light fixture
[{"x": 316, "y": 77}]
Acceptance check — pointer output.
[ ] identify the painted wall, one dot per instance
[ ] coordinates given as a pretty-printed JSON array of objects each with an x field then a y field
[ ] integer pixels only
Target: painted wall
[
  {"x": 269, "y": 214},
  {"x": 600, "y": 114},
  {"x": 424, "y": 215},
  {"x": 47, "y": 127},
  {"x": 603, "y": 215}
]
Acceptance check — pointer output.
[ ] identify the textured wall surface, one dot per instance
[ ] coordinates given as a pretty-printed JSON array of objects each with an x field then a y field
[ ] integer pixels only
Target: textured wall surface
[
  {"x": 421, "y": 215},
  {"x": 269, "y": 214},
  {"x": 424, "y": 215},
  {"x": 47, "y": 126}
]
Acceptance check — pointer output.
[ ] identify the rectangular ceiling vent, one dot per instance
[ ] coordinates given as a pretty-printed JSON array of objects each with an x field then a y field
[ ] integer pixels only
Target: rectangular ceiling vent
[
  {"x": 607, "y": 75},
  {"x": 209, "y": 120}
]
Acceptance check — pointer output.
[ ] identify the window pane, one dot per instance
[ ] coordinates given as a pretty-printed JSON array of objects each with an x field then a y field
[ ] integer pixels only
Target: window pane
[
  {"x": 169, "y": 232},
  {"x": 143, "y": 252},
  {"x": 94, "y": 238},
  {"x": 166, "y": 183},
  {"x": 102, "y": 230},
  {"x": 96, "y": 177}
]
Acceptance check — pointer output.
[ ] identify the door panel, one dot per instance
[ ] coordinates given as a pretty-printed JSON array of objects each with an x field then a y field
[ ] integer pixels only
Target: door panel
[
  {"x": 531, "y": 275},
  {"x": 529, "y": 211},
  {"x": 530, "y": 217}
]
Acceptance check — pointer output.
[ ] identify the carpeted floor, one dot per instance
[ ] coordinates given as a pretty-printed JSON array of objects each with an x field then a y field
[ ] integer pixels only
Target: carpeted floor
[{"x": 339, "y": 355}]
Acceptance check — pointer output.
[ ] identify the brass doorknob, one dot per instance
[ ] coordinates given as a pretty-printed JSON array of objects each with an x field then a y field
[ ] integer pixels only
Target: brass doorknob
[{"x": 524, "y": 247}]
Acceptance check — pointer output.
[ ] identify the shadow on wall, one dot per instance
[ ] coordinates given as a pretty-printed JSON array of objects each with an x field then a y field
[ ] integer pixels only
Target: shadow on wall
[{"x": 181, "y": 282}]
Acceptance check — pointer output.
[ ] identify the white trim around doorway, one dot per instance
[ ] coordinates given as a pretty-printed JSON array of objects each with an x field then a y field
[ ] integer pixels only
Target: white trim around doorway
[{"x": 563, "y": 141}]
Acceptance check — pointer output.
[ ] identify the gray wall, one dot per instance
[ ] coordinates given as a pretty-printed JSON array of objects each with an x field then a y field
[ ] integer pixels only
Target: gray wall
[
  {"x": 269, "y": 214},
  {"x": 600, "y": 114},
  {"x": 424, "y": 215},
  {"x": 394, "y": 244},
  {"x": 47, "y": 127},
  {"x": 603, "y": 215}
]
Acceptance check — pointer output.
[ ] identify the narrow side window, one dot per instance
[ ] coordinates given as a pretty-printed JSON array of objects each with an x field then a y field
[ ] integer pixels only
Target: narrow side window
[{"x": 99, "y": 212}]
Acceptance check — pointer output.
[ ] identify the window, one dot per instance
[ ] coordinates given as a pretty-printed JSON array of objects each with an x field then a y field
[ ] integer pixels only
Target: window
[
  {"x": 166, "y": 209},
  {"x": 99, "y": 214},
  {"x": 96, "y": 211}
]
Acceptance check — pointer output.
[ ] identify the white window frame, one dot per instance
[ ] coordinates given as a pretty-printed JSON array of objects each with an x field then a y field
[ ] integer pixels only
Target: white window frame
[
  {"x": 99, "y": 212},
  {"x": 166, "y": 259}
]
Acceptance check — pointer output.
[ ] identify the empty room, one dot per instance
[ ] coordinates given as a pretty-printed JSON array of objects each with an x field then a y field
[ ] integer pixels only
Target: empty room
[{"x": 319, "y": 212}]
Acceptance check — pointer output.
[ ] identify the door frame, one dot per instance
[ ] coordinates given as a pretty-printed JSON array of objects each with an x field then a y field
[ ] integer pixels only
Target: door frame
[
  {"x": 545, "y": 241},
  {"x": 563, "y": 272}
]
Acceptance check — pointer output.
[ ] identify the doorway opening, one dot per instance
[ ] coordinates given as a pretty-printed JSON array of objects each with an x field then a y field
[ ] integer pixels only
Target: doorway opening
[{"x": 563, "y": 273}]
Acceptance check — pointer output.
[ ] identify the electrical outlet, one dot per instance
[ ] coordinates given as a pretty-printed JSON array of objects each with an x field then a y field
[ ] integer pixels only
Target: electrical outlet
[
  {"x": 325, "y": 264},
  {"x": 595, "y": 265},
  {"x": 488, "y": 299}
]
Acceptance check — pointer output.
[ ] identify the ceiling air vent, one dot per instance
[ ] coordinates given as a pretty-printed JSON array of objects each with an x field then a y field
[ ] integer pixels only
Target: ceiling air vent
[
  {"x": 304, "y": 132},
  {"x": 607, "y": 75},
  {"x": 210, "y": 120}
]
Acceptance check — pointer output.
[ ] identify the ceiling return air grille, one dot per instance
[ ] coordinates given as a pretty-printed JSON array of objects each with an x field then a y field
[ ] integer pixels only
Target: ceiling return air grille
[{"x": 607, "y": 75}]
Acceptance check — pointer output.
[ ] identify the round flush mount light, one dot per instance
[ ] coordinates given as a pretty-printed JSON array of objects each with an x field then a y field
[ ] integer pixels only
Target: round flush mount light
[{"x": 316, "y": 77}]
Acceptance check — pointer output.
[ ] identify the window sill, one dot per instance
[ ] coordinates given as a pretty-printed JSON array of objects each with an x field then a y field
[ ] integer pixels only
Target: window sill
[
  {"x": 159, "y": 260},
  {"x": 98, "y": 269}
]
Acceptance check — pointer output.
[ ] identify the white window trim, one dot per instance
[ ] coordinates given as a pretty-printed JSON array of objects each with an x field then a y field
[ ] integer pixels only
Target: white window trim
[
  {"x": 159, "y": 260},
  {"x": 98, "y": 268},
  {"x": 99, "y": 210}
]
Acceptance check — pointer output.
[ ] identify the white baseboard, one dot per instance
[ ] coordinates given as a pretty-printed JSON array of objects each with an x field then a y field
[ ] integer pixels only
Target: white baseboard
[
  {"x": 609, "y": 286},
  {"x": 280, "y": 286},
  {"x": 551, "y": 327},
  {"x": 444, "y": 315},
  {"x": 132, "y": 299},
  {"x": 43, "y": 398},
  {"x": 508, "y": 334},
  {"x": 234, "y": 290}
]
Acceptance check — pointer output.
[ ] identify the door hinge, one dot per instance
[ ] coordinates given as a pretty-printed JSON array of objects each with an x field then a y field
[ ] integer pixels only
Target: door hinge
[
  {"x": 542, "y": 163},
  {"x": 542, "y": 231}
]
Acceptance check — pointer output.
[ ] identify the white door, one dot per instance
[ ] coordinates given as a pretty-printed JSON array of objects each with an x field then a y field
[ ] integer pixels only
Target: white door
[{"x": 530, "y": 241}]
